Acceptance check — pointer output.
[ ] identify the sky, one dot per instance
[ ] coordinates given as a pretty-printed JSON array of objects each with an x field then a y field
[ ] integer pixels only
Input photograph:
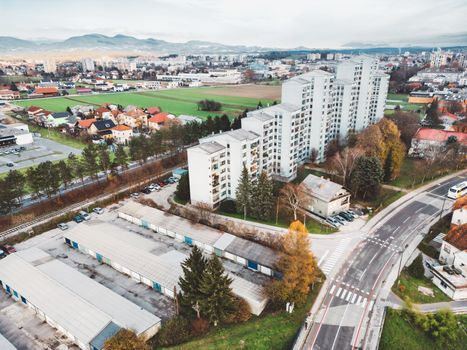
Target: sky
[{"x": 267, "y": 23}]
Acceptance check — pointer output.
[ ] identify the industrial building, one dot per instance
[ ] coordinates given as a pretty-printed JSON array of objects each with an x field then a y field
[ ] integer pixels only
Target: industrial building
[
  {"x": 135, "y": 256},
  {"x": 82, "y": 309},
  {"x": 241, "y": 251}
]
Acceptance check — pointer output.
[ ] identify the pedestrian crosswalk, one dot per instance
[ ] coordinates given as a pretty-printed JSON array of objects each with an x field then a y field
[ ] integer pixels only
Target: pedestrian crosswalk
[
  {"x": 335, "y": 256},
  {"x": 382, "y": 243},
  {"x": 354, "y": 296}
]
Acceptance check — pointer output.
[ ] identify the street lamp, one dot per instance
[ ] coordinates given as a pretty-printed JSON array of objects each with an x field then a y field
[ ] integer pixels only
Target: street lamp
[
  {"x": 442, "y": 209},
  {"x": 400, "y": 263}
]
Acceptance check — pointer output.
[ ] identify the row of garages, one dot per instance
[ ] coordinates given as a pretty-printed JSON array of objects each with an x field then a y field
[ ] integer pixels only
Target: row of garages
[
  {"x": 252, "y": 255},
  {"x": 82, "y": 309},
  {"x": 130, "y": 253}
]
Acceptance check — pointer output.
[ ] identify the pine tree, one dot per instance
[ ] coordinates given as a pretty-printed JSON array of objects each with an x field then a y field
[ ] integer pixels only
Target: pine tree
[
  {"x": 367, "y": 176},
  {"x": 217, "y": 301},
  {"x": 90, "y": 160},
  {"x": 65, "y": 171},
  {"x": 262, "y": 196},
  {"x": 121, "y": 157},
  {"x": 388, "y": 166},
  {"x": 224, "y": 123},
  {"x": 432, "y": 114},
  {"x": 183, "y": 188},
  {"x": 190, "y": 283},
  {"x": 210, "y": 125},
  {"x": 243, "y": 193}
]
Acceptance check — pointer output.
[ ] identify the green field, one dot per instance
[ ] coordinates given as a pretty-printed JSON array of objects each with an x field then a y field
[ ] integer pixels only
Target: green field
[
  {"x": 402, "y": 100},
  {"x": 176, "y": 101},
  {"x": 399, "y": 333}
]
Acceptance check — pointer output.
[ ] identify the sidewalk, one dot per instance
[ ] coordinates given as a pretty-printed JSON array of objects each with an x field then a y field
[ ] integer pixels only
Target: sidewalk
[{"x": 456, "y": 306}]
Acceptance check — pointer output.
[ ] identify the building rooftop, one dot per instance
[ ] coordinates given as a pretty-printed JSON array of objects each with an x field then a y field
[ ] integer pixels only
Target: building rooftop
[
  {"x": 5, "y": 344},
  {"x": 209, "y": 147},
  {"x": 440, "y": 135},
  {"x": 321, "y": 187}
]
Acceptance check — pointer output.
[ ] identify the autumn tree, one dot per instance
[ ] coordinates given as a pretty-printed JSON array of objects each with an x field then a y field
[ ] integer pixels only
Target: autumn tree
[
  {"x": 343, "y": 163},
  {"x": 408, "y": 123},
  {"x": 297, "y": 266},
  {"x": 126, "y": 339},
  {"x": 432, "y": 114},
  {"x": 294, "y": 197},
  {"x": 371, "y": 142}
]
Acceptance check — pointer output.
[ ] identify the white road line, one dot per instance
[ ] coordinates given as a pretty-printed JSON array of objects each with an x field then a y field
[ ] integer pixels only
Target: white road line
[
  {"x": 343, "y": 294},
  {"x": 354, "y": 297},
  {"x": 338, "y": 292},
  {"x": 323, "y": 257},
  {"x": 359, "y": 299},
  {"x": 373, "y": 258},
  {"x": 364, "y": 301},
  {"x": 348, "y": 296},
  {"x": 406, "y": 220},
  {"x": 332, "y": 289}
]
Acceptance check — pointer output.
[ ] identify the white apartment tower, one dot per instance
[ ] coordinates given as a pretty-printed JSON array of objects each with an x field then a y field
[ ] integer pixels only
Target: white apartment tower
[
  {"x": 87, "y": 64},
  {"x": 317, "y": 107}
]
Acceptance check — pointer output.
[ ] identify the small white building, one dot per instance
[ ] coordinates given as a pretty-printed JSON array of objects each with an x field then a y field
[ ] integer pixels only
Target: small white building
[
  {"x": 82, "y": 309},
  {"x": 327, "y": 198},
  {"x": 17, "y": 133}
]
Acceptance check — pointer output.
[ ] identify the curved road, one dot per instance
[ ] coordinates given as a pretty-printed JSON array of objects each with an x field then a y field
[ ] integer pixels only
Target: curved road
[{"x": 351, "y": 292}]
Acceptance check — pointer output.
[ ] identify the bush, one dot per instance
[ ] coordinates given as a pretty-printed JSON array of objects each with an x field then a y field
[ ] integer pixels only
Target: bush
[
  {"x": 209, "y": 106},
  {"x": 416, "y": 269},
  {"x": 228, "y": 206},
  {"x": 199, "y": 327},
  {"x": 241, "y": 313},
  {"x": 175, "y": 331}
]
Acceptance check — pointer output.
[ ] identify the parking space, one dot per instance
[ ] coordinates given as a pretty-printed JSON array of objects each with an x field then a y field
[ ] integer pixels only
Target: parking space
[{"x": 41, "y": 150}]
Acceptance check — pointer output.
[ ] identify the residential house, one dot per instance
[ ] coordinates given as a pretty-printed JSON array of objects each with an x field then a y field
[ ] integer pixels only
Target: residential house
[
  {"x": 102, "y": 128},
  {"x": 56, "y": 119},
  {"x": 122, "y": 134},
  {"x": 157, "y": 121},
  {"x": 84, "y": 124},
  {"x": 46, "y": 91},
  {"x": 185, "y": 119},
  {"x": 134, "y": 118},
  {"x": 327, "y": 198},
  {"x": 448, "y": 119},
  {"x": 434, "y": 140},
  {"x": 33, "y": 110},
  {"x": 6, "y": 94},
  {"x": 103, "y": 113},
  {"x": 153, "y": 110}
]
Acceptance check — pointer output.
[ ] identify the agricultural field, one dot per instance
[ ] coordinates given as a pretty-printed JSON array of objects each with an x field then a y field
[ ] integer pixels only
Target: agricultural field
[
  {"x": 402, "y": 101},
  {"x": 176, "y": 101}
]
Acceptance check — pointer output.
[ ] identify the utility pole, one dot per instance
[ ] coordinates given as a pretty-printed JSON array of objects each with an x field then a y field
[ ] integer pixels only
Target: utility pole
[
  {"x": 442, "y": 209},
  {"x": 400, "y": 264}
]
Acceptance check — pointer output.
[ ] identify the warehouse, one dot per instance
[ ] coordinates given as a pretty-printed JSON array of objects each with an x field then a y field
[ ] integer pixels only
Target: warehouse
[
  {"x": 132, "y": 255},
  {"x": 85, "y": 311},
  {"x": 5, "y": 344},
  {"x": 241, "y": 251}
]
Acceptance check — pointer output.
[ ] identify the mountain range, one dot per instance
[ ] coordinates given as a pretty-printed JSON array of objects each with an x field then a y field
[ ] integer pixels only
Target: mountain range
[{"x": 128, "y": 43}]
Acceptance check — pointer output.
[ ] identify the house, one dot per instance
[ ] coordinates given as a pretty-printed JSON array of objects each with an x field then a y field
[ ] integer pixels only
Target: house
[
  {"x": 86, "y": 110},
  {"x": 451, "y": 275},
  {"x": 185, "y": 119},
  {"x": 134, "y": 118},
  {"x": 428, "y": 140},
  {"x": 80, "y": 308},
  {"x": 33, "y": 110},
  {"x": 102, "y": 128},
  {"x": 327, "y": 198},
  {"x": 448, "y": 119},
  {"x": 157, "y": 121},
  {"x": 103, "y": 113},
  {"x": 459, "y": 212},
  {"x": 56, "y": 119},
  {"x": 46, "y": 91},
  {"x": 6, "y": 94},
  {"x": 122, "y": 134},
  {"x": 85, "y": 124},
  {"x": 153, "y": 110}
]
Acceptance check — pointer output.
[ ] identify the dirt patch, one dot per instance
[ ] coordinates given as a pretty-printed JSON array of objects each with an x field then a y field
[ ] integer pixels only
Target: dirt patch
[{"x": 248, "y": 90}]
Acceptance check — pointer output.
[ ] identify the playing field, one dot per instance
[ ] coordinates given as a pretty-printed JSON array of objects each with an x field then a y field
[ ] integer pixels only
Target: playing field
[{"x": 176, "y": 101}]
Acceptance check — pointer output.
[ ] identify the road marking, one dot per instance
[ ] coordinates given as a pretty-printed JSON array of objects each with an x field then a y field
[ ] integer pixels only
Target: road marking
[
  {"x": 323, "y": 257},
  {"x": 364, "y": 301},
  {"x": 343, "y": 294},
  {"x": 348, "y": 296},
  {"x": 373, "y": 258},
  {"x": 359, "y": 299},
  {"x": 406, "y": 220},
  {"x": 332, "y": 289},
  {"x": 354, "y": 297},
  {"x": 419, "y": 210},
  {"x": 335, "y": 256},
  {"x": 338, "y": 292}
]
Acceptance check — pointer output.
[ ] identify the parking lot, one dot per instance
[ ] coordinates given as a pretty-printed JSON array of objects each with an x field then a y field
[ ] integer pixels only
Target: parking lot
[{"x": 39, "y": 151}]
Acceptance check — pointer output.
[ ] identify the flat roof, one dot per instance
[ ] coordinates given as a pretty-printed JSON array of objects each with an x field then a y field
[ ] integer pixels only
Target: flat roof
[
  {"x": 208, "y": 147},
  {"x": 165, "y": 269},
  {"x": 5, "y": 344}
]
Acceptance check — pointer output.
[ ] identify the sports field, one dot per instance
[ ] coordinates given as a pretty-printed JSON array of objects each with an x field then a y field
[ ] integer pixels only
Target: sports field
[{"x": 176, "y": 101}]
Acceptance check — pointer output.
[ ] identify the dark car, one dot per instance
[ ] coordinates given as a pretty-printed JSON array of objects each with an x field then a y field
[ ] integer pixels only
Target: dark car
[
  {"x": 345, "y": 216},
  {"x": 146, "y": 190},
  {"x": 10, "y": 165},
  {"x": 78, "y": 219},
  {"x": 161, "y": 184}
]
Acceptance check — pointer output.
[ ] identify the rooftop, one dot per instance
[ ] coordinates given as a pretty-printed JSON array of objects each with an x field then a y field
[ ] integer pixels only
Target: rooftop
[
  {"x": 321, "y": 187},
  {"x": 209, "y": 147},
  {"x": 440, "y": 135}
]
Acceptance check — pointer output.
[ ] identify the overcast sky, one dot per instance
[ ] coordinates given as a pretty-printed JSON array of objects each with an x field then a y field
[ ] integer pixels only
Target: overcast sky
[{"x": 272, "y": 23}]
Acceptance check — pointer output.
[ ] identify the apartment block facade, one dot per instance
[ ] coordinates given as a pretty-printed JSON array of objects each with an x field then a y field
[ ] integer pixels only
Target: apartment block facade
[{"x": 317, "y": 107}]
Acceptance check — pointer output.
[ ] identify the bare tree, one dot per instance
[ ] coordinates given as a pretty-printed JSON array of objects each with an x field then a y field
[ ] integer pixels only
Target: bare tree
[
  {"x": 204, "y": 211},
  {"x": 295, "y": 197},
  {"x": 343, "y": 163}
]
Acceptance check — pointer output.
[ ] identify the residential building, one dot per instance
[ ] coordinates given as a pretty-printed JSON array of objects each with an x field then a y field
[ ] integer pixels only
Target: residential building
[
  {"x": 87, "y": 65},
  {"x": 46, "y": 91},
  {"x": 6, "y": 94},
  {"x": 157, "y": 121},
  {"x": 79, "y": 307},
  {"x": 134, "y": 118},
  {"x": 428, "y": 140},
  {"x": 327, "y": 198},
  {"x": 216, "y": 164},
  {"x": 11, "y": 134},
  {"x": 185, "y": 119},
  {"x": 102, "y": 128},
  {"x": 122, "y": 134},
  {"x": 459, "y": 216}
]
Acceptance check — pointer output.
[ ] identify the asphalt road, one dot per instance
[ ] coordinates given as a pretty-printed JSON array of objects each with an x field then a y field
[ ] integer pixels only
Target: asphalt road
[{"x": 349, "y": 297}]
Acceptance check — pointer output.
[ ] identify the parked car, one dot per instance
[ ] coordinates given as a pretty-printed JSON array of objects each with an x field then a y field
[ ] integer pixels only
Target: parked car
[
  {"x": 333, "y": 222},
  {"x": 340, "y": 219},
  {"x": 78, "y": 218},
  {"x": 62, "y": 226},
  {"x": 9, "y": 249},
  {"x": 156, "y": 187},
  {"x": 22, "y": 148},
  {"x": 351, "y": 213},
  {"x": 2, "y": 254},
  {"x": 357, "y": 211},
  {"x": 134, "y": 195},
  {"x": 10, "y": 165},
  {"x": 161, "y": 184},
  {"x": 146, "y": 190},
  {"x": 98, "y": 210},
  {"x": 85, "y": 215},
  {"x": 345, "y": 216},
  {"x": 151, "y": 188}
]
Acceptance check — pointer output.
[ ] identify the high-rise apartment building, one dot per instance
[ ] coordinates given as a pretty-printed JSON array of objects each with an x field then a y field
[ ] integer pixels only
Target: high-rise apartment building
[
  {"x": 87, "y": 65},
  {"x": 317, "y": 107}
]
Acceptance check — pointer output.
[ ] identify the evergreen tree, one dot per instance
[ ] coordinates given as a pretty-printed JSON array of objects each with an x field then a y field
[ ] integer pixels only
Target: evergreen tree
[
  {"x": 217, "y": 301},
  {"x": 183, "y": 188},
  {"x": 259, "y": 106},
  {"x": 262, "y": 196},
  {"x": 367, "y": 176},
  {"x": 416, "y": 269},
  {"x": 210, "y": 125},
  {"x": 388, "y": 166},
  {"x": 224, "y": 123},
  {"x": 65, "y": 172},
  {"x": 190, "y": 283},
  {"x": 121, "y": 157},
  {"x": 104, "y": 159},
  {"x": 432, "y": 114},
  {"x": 89, "y": 156},
  {"x": 243, "y": 193},
  {"x": 12, "y": 190}
]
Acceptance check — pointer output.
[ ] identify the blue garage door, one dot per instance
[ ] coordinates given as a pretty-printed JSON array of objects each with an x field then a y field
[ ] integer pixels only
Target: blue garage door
[
  {"x": 252, "y": 265},
  {"x": 75, "y": 245},
  {"x": 188, "y": 240},
  {"x": 8, "y": 290},
  {"x": 157, "y": 286},
  {"x": 99, "y": 257},
  {"x": 67, "y": 241}
]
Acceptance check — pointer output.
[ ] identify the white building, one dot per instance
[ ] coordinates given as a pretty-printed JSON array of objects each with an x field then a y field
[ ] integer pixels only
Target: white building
[
  {"x": 88, "y": 65},
  {"x": 50, "y": 66},
  {"x": 82, "y": 309},
  {"x": 317, "y": 107},
  {"x": 216, "y": 164}
]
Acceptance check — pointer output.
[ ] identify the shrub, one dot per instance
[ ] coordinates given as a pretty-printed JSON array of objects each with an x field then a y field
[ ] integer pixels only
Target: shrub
[
  {"x": 175, "y": 331},
  {"x": 241, "y": 312},
  {"x": 209, "y": 105},
  {"x": 199, "y": 327},
  {"x": 416, "y": 269},
  {"x": 401, "y": 288},
  {"x": 228, "y": 206}
]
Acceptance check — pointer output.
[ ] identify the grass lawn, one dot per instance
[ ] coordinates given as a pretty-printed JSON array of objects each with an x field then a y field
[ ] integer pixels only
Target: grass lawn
[
  {"x": 399, "y": 334},
  {"x": 311, "y": 225},
  {"x": 411, "y": 289},
  {"x": 269, "y": 332},
  {"x": 57, "y": 136},
  {"x": 176, "y": 101},
  {"x": 402, "y": 100},
  {"x": 385, "y": 198}
]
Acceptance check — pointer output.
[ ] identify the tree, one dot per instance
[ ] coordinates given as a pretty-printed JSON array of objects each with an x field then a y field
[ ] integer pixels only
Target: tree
[
  {"x": 297, "y": 265},
  {"x": 392, "y": 143},
  {"x": 294, "y": 197},
  {"x": 12, "y": 190},
  {"x": 313, "y": 155},
  {"x": 367, "y": 176},
  {"x": 65, "y": 172},
  {"x": 388, "y": 167},
  {"x": 121, "y": 157},
  {"x": 243, "y": 193},
  {"x": 224, "y": 123},
  {"x": 104, "y": 159},
  {"x": 408, "y": 123},
  {"x": 126, "y": 339},
  {"x": 371, "y": 142},
  {"x": 343, "y": 163},
  {"x": 209, "y": 105},
  {"x": 89, "y": 157},
  {"x": 218, "y": 301},
  {"x": 432, "y": 114},
  {"x": 190, "y": 283},
  {"x": 455, "y": 107},
  {"x": 183, "y": 188},
  {"x": 416, "y": 269},
  {"x": 262, "y": 196},
  {"x": 77, "y": 166}
]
